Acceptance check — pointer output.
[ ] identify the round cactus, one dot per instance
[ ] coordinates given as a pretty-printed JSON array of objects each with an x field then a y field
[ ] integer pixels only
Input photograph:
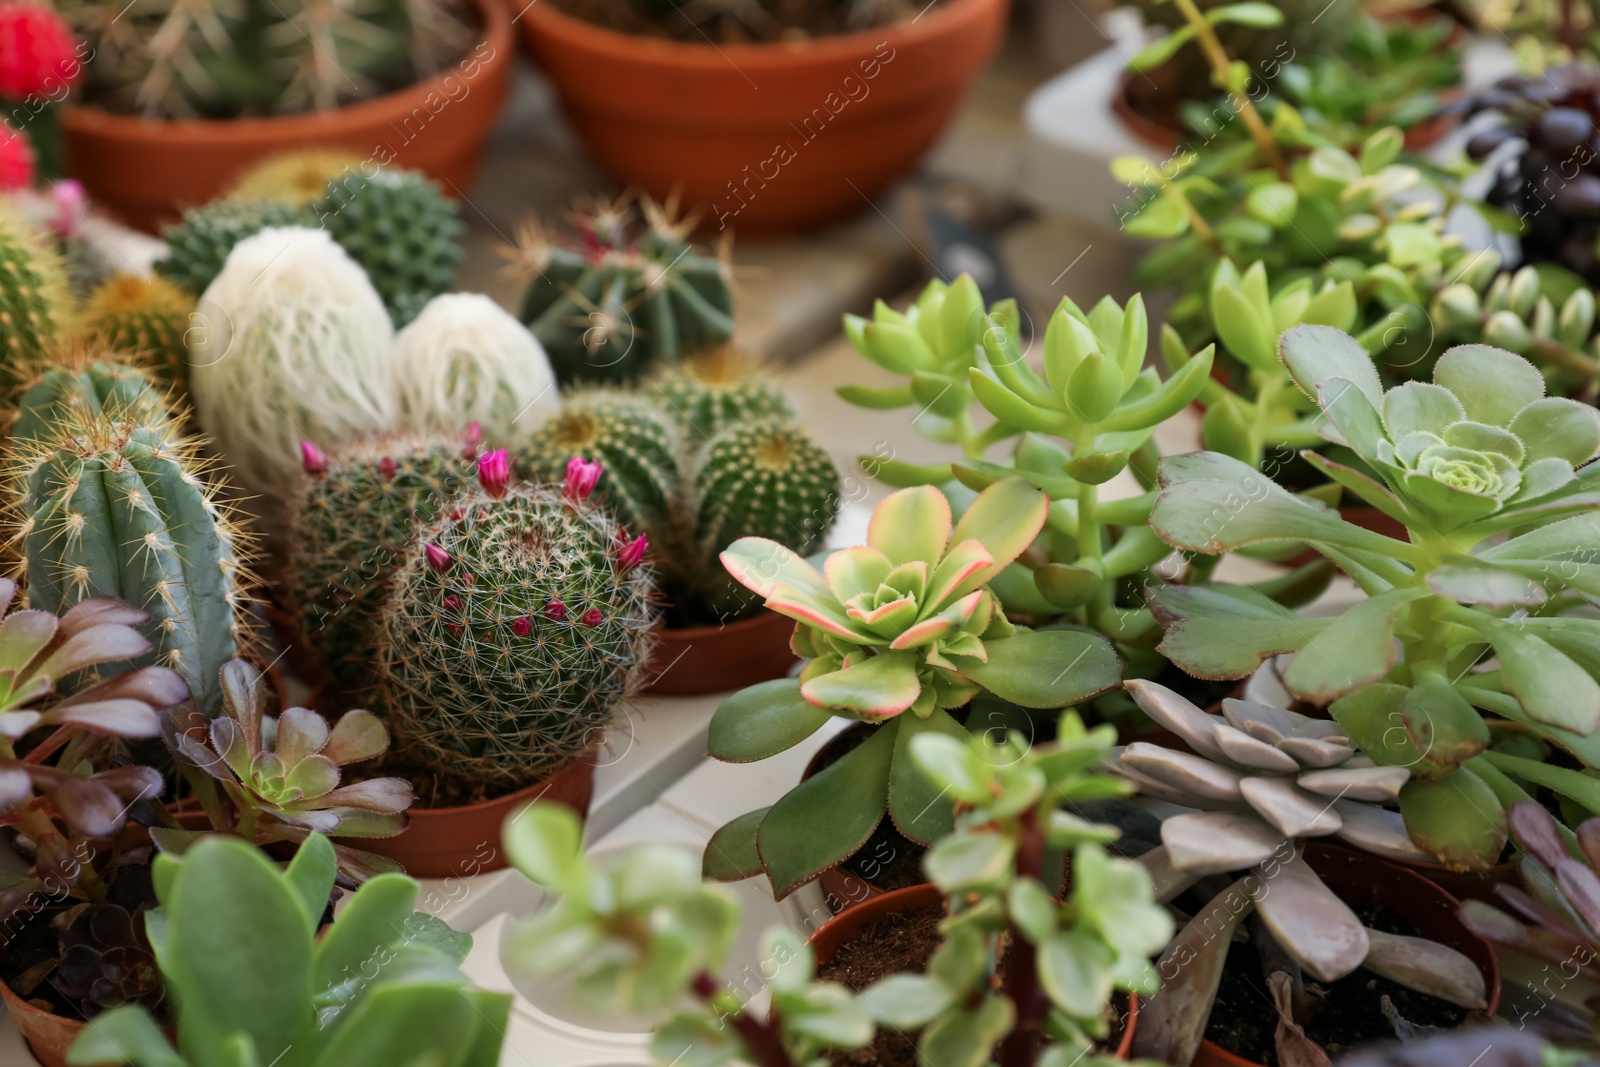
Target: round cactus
[
  {"x": 465, "y": 358},
  {"x": 631, "y": 437},
  {"x": 298, "y": 178},
  {"x": 352, "y": 520},
  {"x": 763, "y": 479},
  {"x": 114, "y": 508},
  {"x": 198, "y": 246},
  {"x": 296, "y": 345},
  {"x": 515, "y": 628},
  {"x": 712, "y": 391},
  {"x": 35, "y": 303},
  {"x": 402, "y": 229},
  {"x": 145, "y": 318}
]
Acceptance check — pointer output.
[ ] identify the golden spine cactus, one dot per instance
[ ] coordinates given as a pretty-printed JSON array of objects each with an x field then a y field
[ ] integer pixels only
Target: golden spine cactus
[
  {"x": 297, "y": 179},
  {"x": 145, "y": 319},
  {"x": 36, "y": 306}
]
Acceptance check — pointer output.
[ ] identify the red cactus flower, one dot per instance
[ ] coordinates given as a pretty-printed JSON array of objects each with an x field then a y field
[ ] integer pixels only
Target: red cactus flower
[
  {"x": 312, "y": 458},
  {"x": 592, "y": 617},
  {"x": 582, "y": 477},
  {"x": 38, "y": 54},
  {"x": 471, "y": 440},
  {"x": 629, "y": 553},
  {"x": 453, "y": 627},
  {"x": 17, "y": 161},
  {"x": 451, "y": 603},
  {"x": 438, "y": 558},
  {"x": 387, "y": 467},
  {"x": 555, "y": 611},
  {"x": 522, "y": 626},
  {"x": 494, "y": 472}
]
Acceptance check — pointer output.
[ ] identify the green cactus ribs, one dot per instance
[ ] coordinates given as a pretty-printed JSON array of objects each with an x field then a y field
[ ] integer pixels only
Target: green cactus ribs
[
  {"x": 713, "y": 390},
  {"x": 34, "y": 300},
  {"x": 144, "y": 318},
  {"x": 613, "y": 299},
  {"x": 517, "y": 625}
]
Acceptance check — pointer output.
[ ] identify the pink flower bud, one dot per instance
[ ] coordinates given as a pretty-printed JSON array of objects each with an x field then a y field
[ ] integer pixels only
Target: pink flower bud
[
  {"x": 629, "y": 553},
  {"x": 69, "y": 197},
  {"x": 592, "y": 617},
  {"x": 582, "y": 476},
  {"x": 451, "y": 603},
  {"x": 494, "y": 472},
  {"x": 471, "y": 440},
  {"x": 438, "y": 558},
  {"x": 387, "y": 467},
  {"x": 311, "y": 457},
  {"x": 555, "y": 611},
  {"x": 522, "y": 626},
  {"x": 453, "y": 627}
]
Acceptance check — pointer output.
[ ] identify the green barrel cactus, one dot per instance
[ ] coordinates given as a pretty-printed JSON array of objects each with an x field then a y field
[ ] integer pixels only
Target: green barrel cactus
[
  {"x": 116, "y": 508},
  {"x": 198, "y": 246},
  {"x": 402, "y": 229},
  {"x": 352, "y": 520},
  {"x": 35, "y": 302},
  {"x": 631, "y": 437},
  {"x": 709, "y": 392},
  {"x": 619, "y": 300},
  {"x": 516, "y": 626},
  {"x": 87, "y": 387},
  {"x": 762, "y": 479},
  {"x": 146, "y": 319}
]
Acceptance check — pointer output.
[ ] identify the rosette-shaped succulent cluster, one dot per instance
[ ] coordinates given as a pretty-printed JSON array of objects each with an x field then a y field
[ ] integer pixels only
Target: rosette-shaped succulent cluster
[
  {"x": 198, "y": 245},
  {"x": 106, "y": 961},
  {"x": 144, "y": 319},
  {"x": 518, "y": 622},
  {"x": 617, "y": 299},
  {"x": 709, "y": 392}
]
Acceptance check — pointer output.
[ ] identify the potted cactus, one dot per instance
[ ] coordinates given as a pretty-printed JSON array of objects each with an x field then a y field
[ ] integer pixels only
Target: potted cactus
[{"x": 178, "y": 100}]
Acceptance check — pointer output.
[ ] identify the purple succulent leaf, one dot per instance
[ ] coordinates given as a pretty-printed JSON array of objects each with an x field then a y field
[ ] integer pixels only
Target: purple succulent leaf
[
  {"x": 1582, "y": 890},
  {"x": 323, "y": 822},
  {"x": 14, "y": 724},
  {"x": 1166, "y": 881},
  {"x": 1588, "y": 840},
  {"x": 301, "y": 733},
  {"x": 374, "y": 794},
  {"x": 16, "y": 787},
  {"x": 1477, "y": 1047},
  {"x": 1427, "y": 967},
  {"x": 1376, "y": 784},
  {"x": 1377, "y": 830},
  {"x": 8, "y": 591},
  {"x": 1177, "y": 714},
  {"x": 23, "y": 635},
  {"x": 245, "y": 700},
  {"x": 1152, "y": 787},
  {"x": 358, "y": 735},
  {"x": 1558, "y": 919},
  {"x": 101, "y": 610},
  {"x": 1183, "y": 770},
  {"x": 160, "y": 687},
  {"x": 131, "y": 783},
  {"x": 1495, "y": 926},
  {"x": 361, "y": 865},
  {"x": 1292, "y": 810},
  {"x": 229, "y": 741},
  {"x": 176, "y": 842},
  {"x": 1318, "y": 752},
  {"x": 1217, "y": 842},
  {"x": 89, "y": 807},
  {"x": 1535, "y": 832},
  {"x": 353, "y": 822},
  {"x": 1258, "y": 720},
  {"x": 1240, "y": 748},
  {"x": 97, "y": 644},
  {"x": 1311, "y": 923},
  {"x": 117, "y": 717}
]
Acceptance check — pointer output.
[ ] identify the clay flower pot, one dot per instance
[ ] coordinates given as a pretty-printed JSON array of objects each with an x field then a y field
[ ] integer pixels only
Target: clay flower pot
[
  {"x": 766, "y": 137},
  {"x": 48, "y": 1035},
  {"x": 464, "y": 841},
  {"x": 827, "y": 938},
  {"x": 148, "y": 170},
  {"x": 720, "y": 659},
  {"x": 1363, "y": 880}
]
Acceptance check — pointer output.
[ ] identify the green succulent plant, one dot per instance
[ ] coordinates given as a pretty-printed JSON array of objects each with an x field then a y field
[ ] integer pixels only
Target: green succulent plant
[
  {"x": 902, "y": 624},
  {"x": 1459, "y": 462},
  {"x": 237, "y": 940}
]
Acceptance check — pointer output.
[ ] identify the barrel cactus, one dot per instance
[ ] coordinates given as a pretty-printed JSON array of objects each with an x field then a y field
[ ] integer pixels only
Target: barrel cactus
[
  {"x": 761, "y": 479},
  {"x": 297, "y": 178},
  {"x": 145, "y": 318},
  {"x": 466, "y": 359},
  {"x": 620, "y": 299},
  {"x": 711, "y": 391},
  {"x": 352, "y": 520},
  {"x": 403, "y": 231},
  {"x": 198, "y": 246},
  {"x": 518, "y": 623},
  {"x": 35, "y": 302},
  {"x": 631, "y": 437},
  {"x": 116, "y": 508},
  {"x": 294, "y": 344}
]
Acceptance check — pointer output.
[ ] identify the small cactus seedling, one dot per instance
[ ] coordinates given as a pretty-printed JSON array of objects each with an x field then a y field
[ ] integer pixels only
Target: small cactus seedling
[
  {"x": 144, "y": 318},
  {"x": 614, "y": 301},
  {"x": 711, "y": 391},
  {"x": 116, "y": 508},
  {"x": 520, "y": 620},
  {"x": 298, "y": 178},
  {"x": 198, "y": 246},
  {"x": 35, "y": 303}
]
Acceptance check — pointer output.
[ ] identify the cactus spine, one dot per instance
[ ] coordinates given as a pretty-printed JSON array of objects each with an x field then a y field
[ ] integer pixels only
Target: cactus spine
[
  {"x": 711, "y": 391},
  {"x": 145, "y": 318},
  {"x": 35, "y": 301},
  {"x": 510, "y": 636},
  {"x": 85, "y": 386},
  {"x": 116, "y": 508}
]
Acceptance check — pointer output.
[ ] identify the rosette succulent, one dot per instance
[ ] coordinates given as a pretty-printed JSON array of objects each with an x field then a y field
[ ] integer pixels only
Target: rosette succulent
[
  {"x": 106, "y": 961},
  {"x": 1459, "y": 462},
  {"x": 901, "y": 624}
]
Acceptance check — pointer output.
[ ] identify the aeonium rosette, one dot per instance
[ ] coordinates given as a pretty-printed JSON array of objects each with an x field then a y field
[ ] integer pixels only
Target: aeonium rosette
[{"x": 903, "y": 623}]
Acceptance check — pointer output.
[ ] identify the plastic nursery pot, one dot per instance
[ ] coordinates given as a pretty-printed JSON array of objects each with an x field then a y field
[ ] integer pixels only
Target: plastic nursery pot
[
  {"x": 1364, "y": 880},
  {"x": 718, "y": 659},
  {"x": 464, "y": 841},
  {"x": 48, "y": 1035},
  {"x": 766, "y": 137},
  {"x": 827, "y": 938},
  {"x": 147, "y": 170}
]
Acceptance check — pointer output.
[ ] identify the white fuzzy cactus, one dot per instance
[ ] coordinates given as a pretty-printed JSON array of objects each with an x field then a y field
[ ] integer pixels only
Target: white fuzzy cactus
[
  {"x": 294, "y": 344},
  {"x": 464, "y": 358}
]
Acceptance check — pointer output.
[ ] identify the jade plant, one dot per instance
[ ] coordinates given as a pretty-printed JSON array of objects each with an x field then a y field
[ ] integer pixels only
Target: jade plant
[
  {"x": 280, "y": 778},
  {"x": 1259, "y": 781},
  {"x": 237, "y": 940},
  {"x": 896, "y": 633},
  {"x": 642, "y": 934},
  {"x": 1459, "y": 462}
]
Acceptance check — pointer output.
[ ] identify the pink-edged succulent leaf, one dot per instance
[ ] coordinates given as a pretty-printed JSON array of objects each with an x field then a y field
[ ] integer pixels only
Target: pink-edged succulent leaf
[
  {"x": 389, "y": 795},
  {"x": 947, "y": 622},
  {"x": 313, "y": 777},
  {"x": 228, "y": 741},
  {"x": 131, "y": 783},
  {"x": 951, "y": 576},
  {"x": 878, "y": 687},
  {"x": 761, "y": 566},
  {"x": 98, "y": 611},
  {"x": 124, "y": 717},
  {"x": 318, "y": 819},
  {"x": 1005, "y": 518},
  {"x": 23, "y": 635},
  {"x": 8, "y": 592},
  {"x": 1427, "y": 967},
  {"x": 301, "y": 733},
  {"x": 244, "y": 699},
  {"x": 829, "y": 617},
  {"x": 97, "y": 644},
  {"x": 911, "y": 524},
  {"x": 159, "y": 687},
  {"x": 358, "y": 735},
  {"x": 1311, "y": 923},
  {"x": 852, "y": 572},
  {"x": 888, "y": 618}
]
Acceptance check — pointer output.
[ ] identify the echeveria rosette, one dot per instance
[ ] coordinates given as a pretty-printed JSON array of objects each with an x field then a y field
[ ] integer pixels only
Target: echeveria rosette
[{"x": 902, "y": 624}]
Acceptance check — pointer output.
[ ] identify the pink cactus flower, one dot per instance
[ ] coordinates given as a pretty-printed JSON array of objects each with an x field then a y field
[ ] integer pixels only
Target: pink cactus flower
[
  {"x": 592, "y": 617},
  {"x": 494, "y": 472},
  {"x": 471, "y": 440},
  {"x": 438, "y": 558},
  {"x": 582, "y": 476},
  {"x": 451, "y": 603},
  {"x": 630, "y": 552},
  {"x": 312, "y": 458},
  {"x": 387, "y": 467},
  {"x": 555, "y": 611},
  {"x": 453, "y": 627},
  {"x": 522, "y": 626}
]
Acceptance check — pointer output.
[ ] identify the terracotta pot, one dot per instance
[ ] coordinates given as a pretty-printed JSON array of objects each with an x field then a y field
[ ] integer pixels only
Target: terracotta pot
[
  {"x": 1364, "y": 880},
  {"x": 1467, "y": 885},
  {"x": 147, "y": 170},
  {"x": 461, "y": 842},
  {"x": 48, "y": 1035},
  {"x": 766, "y": 137},
  {"x": 718, "y": 659},
  {"x": 827, "y": 938}
]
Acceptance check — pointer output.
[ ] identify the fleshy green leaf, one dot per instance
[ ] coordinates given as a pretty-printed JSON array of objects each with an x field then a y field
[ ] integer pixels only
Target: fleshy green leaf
[
  {"x": 761, "y": 721},
  {"x": 731, "y": 854},
  {"x": 1046, "y": 668}
]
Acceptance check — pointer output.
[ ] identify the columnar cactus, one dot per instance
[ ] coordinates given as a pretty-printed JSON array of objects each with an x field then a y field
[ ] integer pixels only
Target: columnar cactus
[
  {"x": 709, "y": 392},
  {"x": 85, "y": 384},
  {"x": 145, "y": 319},
  {"x": 35, "y": 303},
  {"x": 520, "y": 620},
  {"x": 761, "y": 479},
  {"x": 611, "y": 304},
  {"x": 198, "y": 246},
  {"x": 402, "y": 230},
  {"x": 115, "y": 508},
  {"x": 352, "y": 521}
]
